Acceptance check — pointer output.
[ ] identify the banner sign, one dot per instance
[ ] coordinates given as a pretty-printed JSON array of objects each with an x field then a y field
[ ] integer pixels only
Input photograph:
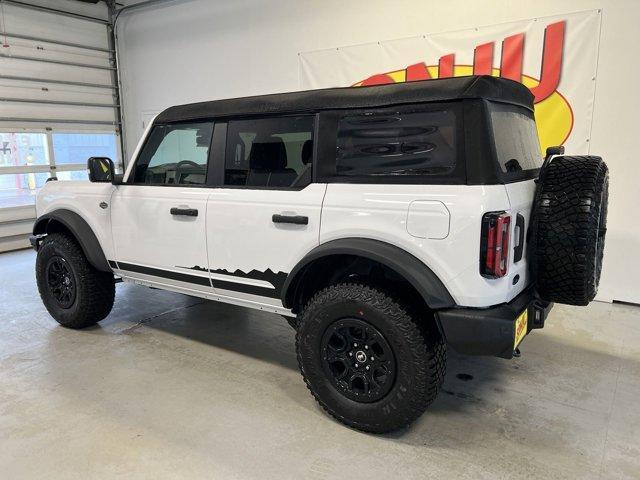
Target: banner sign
[{"x": 555, "y": 57}]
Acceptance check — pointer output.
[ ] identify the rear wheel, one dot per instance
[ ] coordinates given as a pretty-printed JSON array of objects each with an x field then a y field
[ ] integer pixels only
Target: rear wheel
[
  {"x": 73, "y": 291},
  {"x": 366, "y": 360},
  {"x": 569, "y": 227}
]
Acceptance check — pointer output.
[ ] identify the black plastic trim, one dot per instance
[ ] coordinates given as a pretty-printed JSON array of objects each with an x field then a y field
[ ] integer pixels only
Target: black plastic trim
[
  {"x": 294, "y": 219},
  {"x": 432, "y": 290},
  {"x": 490, "y": 331},
  {"x": 80, "y": 230},
  {"x": 518, "y": 250}
]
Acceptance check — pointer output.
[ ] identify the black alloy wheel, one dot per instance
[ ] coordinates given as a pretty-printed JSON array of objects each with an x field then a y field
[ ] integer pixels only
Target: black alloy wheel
[
  {"x": 61, "y": 281},
  {"x": 358, "y": 360}
]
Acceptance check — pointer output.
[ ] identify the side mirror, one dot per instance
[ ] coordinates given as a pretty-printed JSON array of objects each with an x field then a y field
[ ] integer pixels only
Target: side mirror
[{"x": 101, "y": 170}]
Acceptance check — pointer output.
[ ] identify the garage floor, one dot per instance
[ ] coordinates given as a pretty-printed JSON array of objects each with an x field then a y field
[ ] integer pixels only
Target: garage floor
[{"x": 170, "y": 386}]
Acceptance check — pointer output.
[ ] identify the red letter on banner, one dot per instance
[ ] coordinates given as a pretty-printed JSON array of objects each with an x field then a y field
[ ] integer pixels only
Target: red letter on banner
[
  {"x": 511, "y": 61},
  {"x": 445, "y": 66},
  {"x": 417, "y": 71},
  {"x": 551, "y": 62},
  {"x": 483, "y": 59},
  {"x": 379, "y": 79}
]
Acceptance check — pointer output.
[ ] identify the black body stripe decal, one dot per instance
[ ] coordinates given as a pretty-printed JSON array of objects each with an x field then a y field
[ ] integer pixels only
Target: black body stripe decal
[
  {"x": 276, "y": 279},
  {"x": 244, "y": 288},
  {"x": 156, "y": 272}
]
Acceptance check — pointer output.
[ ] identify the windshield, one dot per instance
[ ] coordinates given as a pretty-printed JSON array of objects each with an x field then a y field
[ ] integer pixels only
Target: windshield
[{"x": 516, "y": 138}]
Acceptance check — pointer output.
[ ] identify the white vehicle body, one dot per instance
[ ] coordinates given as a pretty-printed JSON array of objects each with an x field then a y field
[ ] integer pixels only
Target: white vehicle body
[
  {"x": 387, "y": 223},
  {"x": 438, "y": 224},
  {"x": 231, "y": 249}
]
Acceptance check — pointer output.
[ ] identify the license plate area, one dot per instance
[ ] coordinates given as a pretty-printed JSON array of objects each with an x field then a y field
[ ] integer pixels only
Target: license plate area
[{"x": 520, "y": 328}]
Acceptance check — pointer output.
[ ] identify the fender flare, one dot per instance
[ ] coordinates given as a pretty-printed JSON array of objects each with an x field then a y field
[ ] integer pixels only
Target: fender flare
[
  {"x": 427, "y": 283},
  {"x": 80, "y": 229}
]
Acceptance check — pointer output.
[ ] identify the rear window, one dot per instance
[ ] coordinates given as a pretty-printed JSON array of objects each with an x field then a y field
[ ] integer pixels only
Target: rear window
[
  {"x": 384, "y": 143},
  {"x": 516, "y": 138}
]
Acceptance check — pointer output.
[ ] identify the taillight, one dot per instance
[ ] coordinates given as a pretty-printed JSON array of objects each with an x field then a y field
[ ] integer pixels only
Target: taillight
[{"x": 494, "y": 244}]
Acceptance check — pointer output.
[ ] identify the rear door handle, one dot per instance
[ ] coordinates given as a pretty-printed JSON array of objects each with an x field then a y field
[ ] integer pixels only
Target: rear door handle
[
  {"x": 519, "y": 248},
  {"x": 187, "y": 212},
  {"x": 295, "y": 219}
]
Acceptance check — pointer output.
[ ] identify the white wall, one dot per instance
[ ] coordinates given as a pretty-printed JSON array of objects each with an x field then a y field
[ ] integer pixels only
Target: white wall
[{"x": 193, "y": 50}]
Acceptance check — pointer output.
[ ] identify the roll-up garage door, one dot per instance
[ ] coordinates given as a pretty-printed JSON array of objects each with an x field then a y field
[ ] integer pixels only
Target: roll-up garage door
[{"x": 58, "y": 103}]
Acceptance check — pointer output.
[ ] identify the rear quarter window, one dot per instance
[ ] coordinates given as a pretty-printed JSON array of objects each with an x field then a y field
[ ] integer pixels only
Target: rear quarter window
[
  {"x": 396, "y": 144},
  {"x": 515, "y": 137}
]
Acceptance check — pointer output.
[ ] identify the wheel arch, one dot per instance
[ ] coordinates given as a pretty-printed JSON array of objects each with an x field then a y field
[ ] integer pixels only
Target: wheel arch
[
  {"x": 67, "y": 221},
  {"x": 425, "y": 282}
]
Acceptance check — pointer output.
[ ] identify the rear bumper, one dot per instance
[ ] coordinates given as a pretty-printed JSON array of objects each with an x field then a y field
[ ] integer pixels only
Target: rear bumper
[{"x": 492, "y": 331}]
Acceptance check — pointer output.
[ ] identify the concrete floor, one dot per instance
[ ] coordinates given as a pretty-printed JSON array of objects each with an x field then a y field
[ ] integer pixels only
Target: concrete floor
[{"x": 170, "y": 386}]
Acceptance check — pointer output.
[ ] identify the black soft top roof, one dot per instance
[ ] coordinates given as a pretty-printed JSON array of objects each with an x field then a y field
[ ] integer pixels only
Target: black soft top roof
[{"x": 436, "y": 90}]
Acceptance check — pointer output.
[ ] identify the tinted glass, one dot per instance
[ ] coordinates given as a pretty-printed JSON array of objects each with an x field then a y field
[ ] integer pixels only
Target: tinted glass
[
  {"x": 392, "y": 144},
  {"x": 516, "y": 138},
  {"x": 269, "y": 152},
  {"x": 175, "y": 155}
]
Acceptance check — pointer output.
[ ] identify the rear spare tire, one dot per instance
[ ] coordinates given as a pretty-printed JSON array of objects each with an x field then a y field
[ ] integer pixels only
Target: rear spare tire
[{"x": 569, "y": 226}]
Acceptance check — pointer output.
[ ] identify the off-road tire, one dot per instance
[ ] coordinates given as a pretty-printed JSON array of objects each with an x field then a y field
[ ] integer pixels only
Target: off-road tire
[
  {"x": 418, "y": 348},
  {"x": 569, "y": 226},
  {"x": 292, "y": 321},
  {"x": 94, "y": 290}
]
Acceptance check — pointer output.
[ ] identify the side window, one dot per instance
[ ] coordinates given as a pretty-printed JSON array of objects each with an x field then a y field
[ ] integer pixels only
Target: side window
[
  {"x": 269, "y": 152},
  {"x": 388, "y": 143},
  {"x": 175, "y": 155}
]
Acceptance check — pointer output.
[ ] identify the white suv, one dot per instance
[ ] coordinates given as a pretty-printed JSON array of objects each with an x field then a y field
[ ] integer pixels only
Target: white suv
[{"x": 385, "y": 222}]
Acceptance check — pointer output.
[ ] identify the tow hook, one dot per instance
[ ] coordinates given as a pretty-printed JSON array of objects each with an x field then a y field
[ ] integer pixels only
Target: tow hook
[{"x": 516, "y": 353}]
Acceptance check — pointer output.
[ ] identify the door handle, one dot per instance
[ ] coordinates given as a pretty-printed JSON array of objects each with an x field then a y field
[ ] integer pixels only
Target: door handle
[
  {"x": 519, "y": 248},
  {"x": 295, "y": 219},
  {"x": 187, "y": 212}
]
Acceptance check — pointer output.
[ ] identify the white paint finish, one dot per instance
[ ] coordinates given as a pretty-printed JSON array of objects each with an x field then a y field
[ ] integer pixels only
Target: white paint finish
[
  {"x": 521, "y": 196},
  {"x": 242, "y": 236},
  {"x": 428, "y": 219},
  {"x": 83, "y": 198},
  {"x": 174, "y": 54},
  {"x": 146, "y": 233},
  {"x": 379, "y": 212}
]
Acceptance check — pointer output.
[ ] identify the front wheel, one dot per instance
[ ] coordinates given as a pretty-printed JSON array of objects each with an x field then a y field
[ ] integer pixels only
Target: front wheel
[
  {"x": 73, "y": 291},
  {"x": 366, "y": 360}
]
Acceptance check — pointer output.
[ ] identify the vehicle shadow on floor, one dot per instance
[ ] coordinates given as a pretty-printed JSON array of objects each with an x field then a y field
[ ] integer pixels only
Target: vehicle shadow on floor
[{"x": 477, "y": 389}]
